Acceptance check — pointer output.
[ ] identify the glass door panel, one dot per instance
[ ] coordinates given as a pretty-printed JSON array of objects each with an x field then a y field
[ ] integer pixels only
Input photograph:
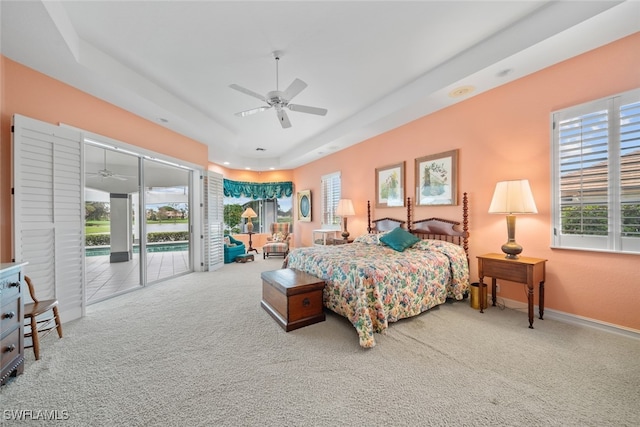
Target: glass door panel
[
  {"x": 167, "y": 221},
  {"x": 111, "y": 188}
]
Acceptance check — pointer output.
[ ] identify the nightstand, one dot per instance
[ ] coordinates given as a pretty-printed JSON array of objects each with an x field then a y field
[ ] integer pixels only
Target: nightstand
[
  {"x": 324, "y": 237},
  {"x": 525, "y": 270}
]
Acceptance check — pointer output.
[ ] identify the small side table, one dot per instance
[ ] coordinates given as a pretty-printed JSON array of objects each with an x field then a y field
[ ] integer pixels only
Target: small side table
[
  {"x": 251, "y": 248},
  {"x": 522, "y": 270}
]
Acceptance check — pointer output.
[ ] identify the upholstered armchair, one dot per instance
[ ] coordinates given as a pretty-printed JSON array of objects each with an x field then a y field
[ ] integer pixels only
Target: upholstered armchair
[
  {"x": 278, "y": 242},
  {"x": 232, "y": 248}
]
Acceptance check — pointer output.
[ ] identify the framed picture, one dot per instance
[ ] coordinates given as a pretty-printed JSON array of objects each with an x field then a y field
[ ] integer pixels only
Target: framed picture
[
  {"x": 304, "y": 206},
  {"x": 390, "y": 186},
  {"x": 437, "y": 179}
]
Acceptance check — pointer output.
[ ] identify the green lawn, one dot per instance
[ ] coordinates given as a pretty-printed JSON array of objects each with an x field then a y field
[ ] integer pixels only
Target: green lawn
[{"x": 99, "y": 227}]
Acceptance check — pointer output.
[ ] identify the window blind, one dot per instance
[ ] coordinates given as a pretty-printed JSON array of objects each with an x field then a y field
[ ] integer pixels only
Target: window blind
[
  {"x": 596, "y": 175},
  {"x": 331, "y": 192}
]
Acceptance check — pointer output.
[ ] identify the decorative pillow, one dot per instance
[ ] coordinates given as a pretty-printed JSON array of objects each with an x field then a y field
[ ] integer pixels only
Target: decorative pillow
[
  {"x": 399, "y": 239},
  {"x": 227, "y": 240},
  {"x": 278, "y": 237},
  {"x": 369, "y": 239}
]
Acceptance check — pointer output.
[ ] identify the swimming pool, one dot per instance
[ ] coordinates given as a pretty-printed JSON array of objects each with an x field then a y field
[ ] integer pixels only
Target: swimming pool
[{"x": 151, "y": 247}]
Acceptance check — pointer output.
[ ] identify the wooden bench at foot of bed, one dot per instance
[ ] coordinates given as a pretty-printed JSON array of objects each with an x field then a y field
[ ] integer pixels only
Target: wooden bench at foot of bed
[{"x": 292, "y": 297}]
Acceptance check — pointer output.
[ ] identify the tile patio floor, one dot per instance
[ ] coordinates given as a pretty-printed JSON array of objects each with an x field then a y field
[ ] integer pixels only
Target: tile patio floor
[{"x": 105, "y": 279}]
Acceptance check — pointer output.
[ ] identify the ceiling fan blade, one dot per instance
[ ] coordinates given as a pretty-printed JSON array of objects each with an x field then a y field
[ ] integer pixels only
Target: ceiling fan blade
[
  {"x": 118, "y": 177},
  {"x": 248, "y": 92},
  {"x": 307, "y": 109},
  {"x": 252, "y": 111},
  {"x": 294, "y": 88},
  {"x": 284, "y": 119}
]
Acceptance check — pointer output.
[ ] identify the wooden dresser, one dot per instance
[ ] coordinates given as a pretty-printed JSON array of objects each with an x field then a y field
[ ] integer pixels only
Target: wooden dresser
[{"x": 11, "y": 320}]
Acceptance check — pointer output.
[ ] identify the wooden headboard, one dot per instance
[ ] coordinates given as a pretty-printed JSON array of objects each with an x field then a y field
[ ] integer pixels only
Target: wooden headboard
[{"x": 431, "y": 228}]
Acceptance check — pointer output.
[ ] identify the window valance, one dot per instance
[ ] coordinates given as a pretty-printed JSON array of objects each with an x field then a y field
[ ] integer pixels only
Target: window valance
[{"x": 254, "y": 190}]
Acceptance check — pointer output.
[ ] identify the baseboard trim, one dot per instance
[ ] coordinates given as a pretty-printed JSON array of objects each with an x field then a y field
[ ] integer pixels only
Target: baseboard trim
[{"x": 573, "y": 319}]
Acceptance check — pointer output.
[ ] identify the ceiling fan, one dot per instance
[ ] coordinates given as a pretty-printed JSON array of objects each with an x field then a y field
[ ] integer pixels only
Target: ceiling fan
[
  {"x": 106, "y": 173},
  {"x": 279, "y": 100}
]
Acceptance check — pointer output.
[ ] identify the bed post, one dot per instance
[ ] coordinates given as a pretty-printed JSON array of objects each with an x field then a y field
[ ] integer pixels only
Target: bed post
[
  {"x": 409, "y": 214},
  {"x": 465, "y": 223},
  {"x": 369, "y": 216}
]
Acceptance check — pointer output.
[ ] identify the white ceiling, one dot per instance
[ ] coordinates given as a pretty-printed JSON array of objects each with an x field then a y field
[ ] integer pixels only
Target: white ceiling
[{"x": 373, "y": 65}]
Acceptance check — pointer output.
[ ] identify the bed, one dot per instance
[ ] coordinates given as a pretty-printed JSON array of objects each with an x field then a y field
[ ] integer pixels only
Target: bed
[{"x": 372, "y": 284}]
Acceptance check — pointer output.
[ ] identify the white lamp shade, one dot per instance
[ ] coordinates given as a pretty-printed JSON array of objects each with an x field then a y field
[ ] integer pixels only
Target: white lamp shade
[
  {"x": 345, "y": 208},
  {"x": 249, "y": 213},
  {"x": 513, "y": 197}
]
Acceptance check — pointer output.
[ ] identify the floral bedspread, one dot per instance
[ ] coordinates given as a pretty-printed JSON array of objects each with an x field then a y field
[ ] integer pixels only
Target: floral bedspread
[{"x": 371, "y": 284}]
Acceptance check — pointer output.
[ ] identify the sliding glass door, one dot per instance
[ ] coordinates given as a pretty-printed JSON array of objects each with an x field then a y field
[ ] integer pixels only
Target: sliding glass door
[
  {"x": 132, "y": 238},
  {"x": 167, "y": 221},
  {"x": 111, "y": 188}
]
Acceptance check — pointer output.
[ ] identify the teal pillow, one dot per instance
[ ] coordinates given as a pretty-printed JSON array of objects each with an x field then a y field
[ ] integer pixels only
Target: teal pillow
[{"x": 399, "y": 239}]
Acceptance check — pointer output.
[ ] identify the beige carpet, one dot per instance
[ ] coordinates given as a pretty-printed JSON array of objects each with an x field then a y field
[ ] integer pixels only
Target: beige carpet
[{"x": 200, "y": 351}]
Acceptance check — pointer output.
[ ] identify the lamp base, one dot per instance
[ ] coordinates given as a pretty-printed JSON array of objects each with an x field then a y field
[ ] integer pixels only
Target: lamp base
[
  {"x": 512, "y": 249},
  {"x": 345, "y": 233},
  {"x": 249, "y": 227}
]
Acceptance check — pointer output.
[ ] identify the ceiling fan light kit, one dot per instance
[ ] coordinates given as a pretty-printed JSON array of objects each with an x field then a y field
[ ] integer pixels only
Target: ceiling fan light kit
[{"x": 279, "y": 100}]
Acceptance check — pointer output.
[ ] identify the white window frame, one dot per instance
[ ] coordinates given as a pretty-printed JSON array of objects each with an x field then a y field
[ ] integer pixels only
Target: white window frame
[
  {"x": 330, "y": 194},
  {"x": 614, "y": 240}
]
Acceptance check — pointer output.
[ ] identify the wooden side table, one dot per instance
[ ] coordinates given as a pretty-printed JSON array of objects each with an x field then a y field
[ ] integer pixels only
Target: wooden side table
[
  {"x": 522, "y": 270},
  {"x": 251, "y": 248}
]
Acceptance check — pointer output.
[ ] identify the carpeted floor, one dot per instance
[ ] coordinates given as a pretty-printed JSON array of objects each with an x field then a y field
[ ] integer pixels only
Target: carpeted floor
[{"x": 199, "y": 350}]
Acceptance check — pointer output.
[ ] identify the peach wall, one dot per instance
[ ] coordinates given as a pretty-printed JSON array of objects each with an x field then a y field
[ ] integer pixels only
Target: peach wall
[
  {"x": 30, "y": 93},
  {"x": 504, "y": 134}
]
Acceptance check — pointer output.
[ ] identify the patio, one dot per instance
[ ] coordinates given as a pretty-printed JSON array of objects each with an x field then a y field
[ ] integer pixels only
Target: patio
[{"x": 105, "y": 279}]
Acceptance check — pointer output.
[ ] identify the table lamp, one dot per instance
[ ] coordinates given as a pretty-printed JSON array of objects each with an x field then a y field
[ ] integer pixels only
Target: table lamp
[
  {"x": 345, "y": 209},
  {"x": 512, "y": 197},
  {"x": 249, "y": 213}
]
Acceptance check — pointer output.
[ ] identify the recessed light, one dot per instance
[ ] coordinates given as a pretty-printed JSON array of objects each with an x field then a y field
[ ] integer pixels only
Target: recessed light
[
  {"x": 461, "y": 91},
  {"x": 272, "y": 168},
  {"x": 226, "y": 163},
  {"x": 248, "y": 168}
]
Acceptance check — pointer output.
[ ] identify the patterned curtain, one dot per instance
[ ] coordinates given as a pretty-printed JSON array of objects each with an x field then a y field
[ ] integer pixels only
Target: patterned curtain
[{"x": 265, "y": 190}]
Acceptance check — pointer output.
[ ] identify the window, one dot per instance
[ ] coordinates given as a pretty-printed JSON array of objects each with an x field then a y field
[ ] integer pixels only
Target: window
[
  {"x": 271, "y": 201},
  {"x": 330, "y": 194},
  {"x": 596, "y": 175}
]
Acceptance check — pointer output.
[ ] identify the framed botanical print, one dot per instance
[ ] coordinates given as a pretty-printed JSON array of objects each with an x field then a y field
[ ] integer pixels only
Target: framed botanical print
[
  {"x": 437, "y": 179},
  {"x": 304, "y": 206},
  {"x": 390, "y": 186}
]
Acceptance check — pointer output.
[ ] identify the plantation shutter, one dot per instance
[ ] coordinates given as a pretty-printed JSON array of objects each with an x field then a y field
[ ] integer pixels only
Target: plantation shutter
[
  {"x": 214, "y": 221},
  {"x": 630, "y": 172},
  {"x": 48, "y": 211},
  {"x": 596, "y": 173},
  {"x": 584, "y": 173},
  {"x": 330, "y": 194}
]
